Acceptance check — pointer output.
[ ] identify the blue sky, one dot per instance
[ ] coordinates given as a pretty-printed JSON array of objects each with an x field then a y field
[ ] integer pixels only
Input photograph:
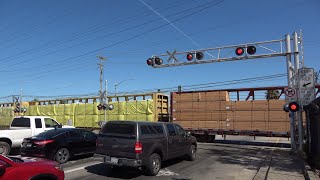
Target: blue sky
[{"x": 49, "y": 48}]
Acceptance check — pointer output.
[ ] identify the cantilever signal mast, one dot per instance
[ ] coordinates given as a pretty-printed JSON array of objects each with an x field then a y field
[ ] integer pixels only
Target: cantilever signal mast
[{"x": 248, "y": 51}]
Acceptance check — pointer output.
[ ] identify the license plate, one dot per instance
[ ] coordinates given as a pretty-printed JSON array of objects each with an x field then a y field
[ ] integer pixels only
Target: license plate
[
  {"x": 29, "y": 145},
  {"x": 113, "y": 160}
]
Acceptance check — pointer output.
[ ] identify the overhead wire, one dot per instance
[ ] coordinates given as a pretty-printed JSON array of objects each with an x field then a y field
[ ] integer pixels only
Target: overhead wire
[
  {"x": 107, "y": 35},
  {"x": 74, "y": 36},
  {"x": 215, "y": 83},
  {"x": 189, "y": 87},
  {"x": 122, "y": 41}
]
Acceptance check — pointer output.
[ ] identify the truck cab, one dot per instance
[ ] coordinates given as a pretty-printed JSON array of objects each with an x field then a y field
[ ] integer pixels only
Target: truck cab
[{"x": 23, "y": 127}]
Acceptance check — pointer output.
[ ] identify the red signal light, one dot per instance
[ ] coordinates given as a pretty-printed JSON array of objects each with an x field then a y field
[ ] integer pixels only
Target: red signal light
[
  {"x": 239, "y": 51},
  {"x": 99, "y": 107},
  {"x": 294, "y": 107},
  {"x": 158, "y": 61},
  {"x": 199, "y": 55},
  {"x": 189, "y": 56},
  {"x": 251, "y": 50},
  {"x": 150, "y": 62}
]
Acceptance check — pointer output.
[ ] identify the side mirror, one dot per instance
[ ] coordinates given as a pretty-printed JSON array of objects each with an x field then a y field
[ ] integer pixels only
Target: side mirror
[
  {"x": 3, "y": 167},
  {"x": 188, "y": 134}
]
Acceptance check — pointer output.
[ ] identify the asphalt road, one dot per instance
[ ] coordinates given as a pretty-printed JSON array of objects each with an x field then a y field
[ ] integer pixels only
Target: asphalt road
[{"x": 234, "y": 158}]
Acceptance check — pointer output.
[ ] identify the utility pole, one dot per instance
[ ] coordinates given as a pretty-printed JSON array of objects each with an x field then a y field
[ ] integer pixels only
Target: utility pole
[
  {"x": 106, "y": 100},
  {"x": 20, "y": 102}
]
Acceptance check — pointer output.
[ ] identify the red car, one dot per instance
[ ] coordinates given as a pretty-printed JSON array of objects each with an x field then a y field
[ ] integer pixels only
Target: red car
[{"x": 26, "y": 168}]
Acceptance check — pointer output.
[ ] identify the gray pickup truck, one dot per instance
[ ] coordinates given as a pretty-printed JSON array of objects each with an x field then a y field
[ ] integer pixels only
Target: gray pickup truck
[{"x": 143, "y": 144}]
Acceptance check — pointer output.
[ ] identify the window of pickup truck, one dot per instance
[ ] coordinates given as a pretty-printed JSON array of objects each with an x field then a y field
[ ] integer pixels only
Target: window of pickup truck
[
  {"x": 180, "y": 130},
  {"x": 38, "y": 123},
  {"x": 151, "y": 129},
  {"x": 171, "y": 130},
  {"x": 50, "y": 122},
  {"x": 118, "y": 128},
  {"x": 21, "y": 122}
]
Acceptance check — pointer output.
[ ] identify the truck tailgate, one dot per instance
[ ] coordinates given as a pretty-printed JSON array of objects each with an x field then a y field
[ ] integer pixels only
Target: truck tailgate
[{"x": 122, "y": 146}]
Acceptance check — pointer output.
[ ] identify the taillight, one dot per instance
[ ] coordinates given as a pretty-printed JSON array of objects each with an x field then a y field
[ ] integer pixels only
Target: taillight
[
  {"x": 138, "y": 147},
  {"x": 44, "y": 142}
]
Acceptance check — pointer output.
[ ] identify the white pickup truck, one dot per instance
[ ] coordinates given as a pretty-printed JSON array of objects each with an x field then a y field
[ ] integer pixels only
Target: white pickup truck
[{"x": 23, "y": 127}]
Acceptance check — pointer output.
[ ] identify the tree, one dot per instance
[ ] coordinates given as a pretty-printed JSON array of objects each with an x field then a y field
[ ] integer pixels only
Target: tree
[
  {"x": 35, "y": 99},
  {"x": 272, "y": 94}
]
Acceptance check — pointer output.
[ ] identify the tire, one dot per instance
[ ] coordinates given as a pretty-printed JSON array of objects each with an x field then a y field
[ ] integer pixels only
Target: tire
[
  {"x": 62, "y": 155},
  {"x": 192, "y": 154},
  {"x": 153, "y": 165},
  {"x": 4, "y": 148}
]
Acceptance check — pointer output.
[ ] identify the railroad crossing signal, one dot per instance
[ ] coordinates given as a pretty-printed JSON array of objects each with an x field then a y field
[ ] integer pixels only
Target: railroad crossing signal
[
  {"x": 294, "y": 107},
  {"x": 250, "y": 50},
  {"x": 154, "y": 61},
  {"x": 105, "y": 107},
  {"x": 171, "y": 56},
  {"x": 267, "y": 49},
  {"x": 199, "y": 56},
  {"x": 239, "y": 51}
]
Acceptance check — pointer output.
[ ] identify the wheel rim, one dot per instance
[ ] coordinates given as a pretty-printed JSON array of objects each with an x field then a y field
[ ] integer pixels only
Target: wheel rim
[
  {"x": 193, "y": 151},
  {"x": 156, "y": 164},
  {"x": 63, "y": 155},
  {"x": 2, "y": 150}
]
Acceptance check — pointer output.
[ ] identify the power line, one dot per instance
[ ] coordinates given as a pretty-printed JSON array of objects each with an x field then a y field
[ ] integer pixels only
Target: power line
[
  {"x": 75, "y": 36},
  {"x": 168, "y": 89},
  {"x": 125, "y": 40},
  {"x": 188, "y": 87}
]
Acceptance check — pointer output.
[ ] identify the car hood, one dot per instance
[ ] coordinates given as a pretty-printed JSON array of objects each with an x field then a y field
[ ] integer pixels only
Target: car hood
[{"x": 32, "y": 159}]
